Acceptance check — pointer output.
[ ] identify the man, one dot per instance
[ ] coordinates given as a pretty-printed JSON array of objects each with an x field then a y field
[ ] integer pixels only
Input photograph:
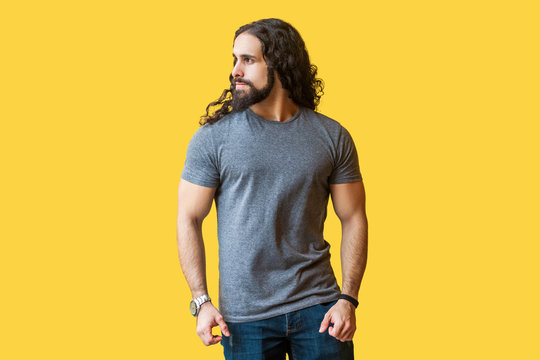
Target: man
[{"x": 270, "y": 162}]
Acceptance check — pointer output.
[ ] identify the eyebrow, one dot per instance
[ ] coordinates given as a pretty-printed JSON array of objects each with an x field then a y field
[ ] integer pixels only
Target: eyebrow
[{"x": 245, "y": 55}]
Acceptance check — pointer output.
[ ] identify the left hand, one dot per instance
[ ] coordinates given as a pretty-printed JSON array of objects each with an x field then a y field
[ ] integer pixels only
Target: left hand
[{"x": 343, "y": 317}]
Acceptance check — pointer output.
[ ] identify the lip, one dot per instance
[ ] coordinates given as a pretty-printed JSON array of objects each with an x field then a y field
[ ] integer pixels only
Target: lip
[{"x": 240, "y": 84}]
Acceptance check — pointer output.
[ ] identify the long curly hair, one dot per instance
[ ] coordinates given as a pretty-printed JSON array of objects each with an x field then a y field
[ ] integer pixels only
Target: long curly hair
[{"x": 285, "y": 51}]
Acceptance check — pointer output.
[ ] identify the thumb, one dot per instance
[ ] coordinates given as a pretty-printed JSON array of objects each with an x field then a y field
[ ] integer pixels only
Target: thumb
[
  {"x": 223, "y": 326},
  {"x": 332, "y": 331},
  {"x": 325, "y": 322}
]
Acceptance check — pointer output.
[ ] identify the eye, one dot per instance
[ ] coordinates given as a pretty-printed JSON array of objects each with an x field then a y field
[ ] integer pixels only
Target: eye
[{"x": 249, "y": 61}]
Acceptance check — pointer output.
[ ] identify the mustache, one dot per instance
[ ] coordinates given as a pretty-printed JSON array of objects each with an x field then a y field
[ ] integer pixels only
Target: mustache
[{"x": 239, "y": 80}]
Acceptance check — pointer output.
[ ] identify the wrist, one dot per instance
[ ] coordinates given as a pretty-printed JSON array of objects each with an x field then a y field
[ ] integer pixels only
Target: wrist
[
  {"x": 205, "y": 305},
  {"x": 196, "y": 304},
  {"x": 351, "y": 300},
  {"x": 198, "y": 293}
]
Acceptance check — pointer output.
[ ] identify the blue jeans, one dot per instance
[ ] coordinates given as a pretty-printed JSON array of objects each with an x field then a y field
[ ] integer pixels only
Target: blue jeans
[{"x": 295, "y": 333}]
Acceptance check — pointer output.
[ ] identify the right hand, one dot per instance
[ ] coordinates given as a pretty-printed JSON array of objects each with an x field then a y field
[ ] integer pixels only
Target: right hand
[{"x": 207, "y": 318}]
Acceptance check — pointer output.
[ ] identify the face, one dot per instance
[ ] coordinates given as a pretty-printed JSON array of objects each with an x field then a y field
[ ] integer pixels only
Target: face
[{"x": 251, "y": 79}]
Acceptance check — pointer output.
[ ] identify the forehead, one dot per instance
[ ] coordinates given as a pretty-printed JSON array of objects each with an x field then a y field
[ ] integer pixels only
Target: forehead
[{"x": 247, "y": 44}]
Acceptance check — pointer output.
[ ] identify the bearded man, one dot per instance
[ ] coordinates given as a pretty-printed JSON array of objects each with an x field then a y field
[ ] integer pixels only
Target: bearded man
[{"x": 270, "y": 162}]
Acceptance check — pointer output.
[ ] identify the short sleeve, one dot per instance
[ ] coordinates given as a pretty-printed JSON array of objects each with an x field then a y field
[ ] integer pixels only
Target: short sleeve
[
  {"x": 200, "y": 166},
  {"x": 346, "y": 166}
]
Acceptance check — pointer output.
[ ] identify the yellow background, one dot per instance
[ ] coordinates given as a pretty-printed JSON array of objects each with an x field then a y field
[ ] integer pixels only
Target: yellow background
[{"x": 100, "y": 98}]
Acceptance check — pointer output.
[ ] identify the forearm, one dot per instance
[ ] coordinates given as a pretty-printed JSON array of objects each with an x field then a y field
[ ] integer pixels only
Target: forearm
[
  {"x": 192, "y": 255},
  {"x": 353, "y": 254}
]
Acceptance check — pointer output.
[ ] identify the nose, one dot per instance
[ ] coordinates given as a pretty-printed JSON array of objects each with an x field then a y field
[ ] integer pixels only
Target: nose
[{"x": 237, "y": 70}]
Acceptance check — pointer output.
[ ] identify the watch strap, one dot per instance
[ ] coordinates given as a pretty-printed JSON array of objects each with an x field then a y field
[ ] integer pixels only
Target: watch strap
[
  {"x": 350, "y": 299},
  {"x": 201, "y": 300}
]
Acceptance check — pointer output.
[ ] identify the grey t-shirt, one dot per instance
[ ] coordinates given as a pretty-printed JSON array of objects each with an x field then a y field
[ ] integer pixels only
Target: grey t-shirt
[{"x": 272, "y": 181}]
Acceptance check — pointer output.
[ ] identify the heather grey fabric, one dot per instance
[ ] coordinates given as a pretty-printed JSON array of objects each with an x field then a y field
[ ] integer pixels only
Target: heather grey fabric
[{"x": 272, "y": 181}]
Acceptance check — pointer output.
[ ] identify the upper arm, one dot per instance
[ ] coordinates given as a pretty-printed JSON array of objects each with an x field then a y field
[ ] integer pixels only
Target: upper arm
[
  {"x": 194, "y": 201},
  {"x": 349, "y": 200}
]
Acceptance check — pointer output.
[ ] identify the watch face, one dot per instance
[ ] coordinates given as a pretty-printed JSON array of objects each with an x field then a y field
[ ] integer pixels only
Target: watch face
[{"x": 193, "y": 308}]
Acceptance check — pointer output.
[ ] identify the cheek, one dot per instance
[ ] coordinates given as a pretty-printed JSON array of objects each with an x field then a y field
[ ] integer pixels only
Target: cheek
[{"x": 262, "y": 76}]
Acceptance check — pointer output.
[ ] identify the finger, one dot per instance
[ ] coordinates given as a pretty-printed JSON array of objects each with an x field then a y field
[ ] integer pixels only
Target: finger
[
  {"x": 325, "y": 323},
  {"x": 345, "y": 336},
  {"x": 331, "y": 331},
  {"x": 344, "y": 330},
  {"x": 206, "y": 336},
  {"x": 214, "y": 340},
  {"x": 350, "y": 333},
  {"x": 223, "y": 326},
  {"x": 205, "y": 339},
  {"x": 339, "y": 331}
]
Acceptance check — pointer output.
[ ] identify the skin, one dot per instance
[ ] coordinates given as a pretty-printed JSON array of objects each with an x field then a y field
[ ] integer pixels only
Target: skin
[
  {"x": 349, "y": 201},
  {"x": 251, "y": 65},
  {"x": 195, "y": 202}
]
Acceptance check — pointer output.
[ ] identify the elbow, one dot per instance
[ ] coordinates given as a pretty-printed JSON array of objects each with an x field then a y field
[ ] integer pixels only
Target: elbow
[
  {"x": 357, "y": 220},
  {"x": 185, "y": 220}
]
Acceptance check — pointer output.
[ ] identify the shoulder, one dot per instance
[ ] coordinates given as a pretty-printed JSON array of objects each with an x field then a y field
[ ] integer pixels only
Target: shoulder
[
  {"x": 202, "y": 134},
  {"x": 228, "y": 120},
  {"x": 208, "y": 129},
  {"x": 331, "y": 126},
  {"x": 222, "y": 127}
]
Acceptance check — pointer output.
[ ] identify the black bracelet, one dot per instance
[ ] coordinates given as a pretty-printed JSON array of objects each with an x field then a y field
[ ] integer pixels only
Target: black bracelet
[{"x": 349, "y": 298}]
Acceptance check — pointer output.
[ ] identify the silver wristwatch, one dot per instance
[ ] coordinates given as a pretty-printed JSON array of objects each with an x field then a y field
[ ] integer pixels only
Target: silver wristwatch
[{"x": 196, "y": 303}]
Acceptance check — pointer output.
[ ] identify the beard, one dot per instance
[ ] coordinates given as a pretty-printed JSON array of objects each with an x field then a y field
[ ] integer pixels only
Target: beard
[{"x": 242, "y": 99}]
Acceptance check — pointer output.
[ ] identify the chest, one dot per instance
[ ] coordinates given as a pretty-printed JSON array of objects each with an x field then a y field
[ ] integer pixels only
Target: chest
[{"x": 275, "y": 157}]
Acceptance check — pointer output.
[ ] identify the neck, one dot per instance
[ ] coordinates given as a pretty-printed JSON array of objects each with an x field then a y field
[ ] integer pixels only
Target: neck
[
  {"x": 278, "y": 106},
  {"x": 278, "y": 111}
]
